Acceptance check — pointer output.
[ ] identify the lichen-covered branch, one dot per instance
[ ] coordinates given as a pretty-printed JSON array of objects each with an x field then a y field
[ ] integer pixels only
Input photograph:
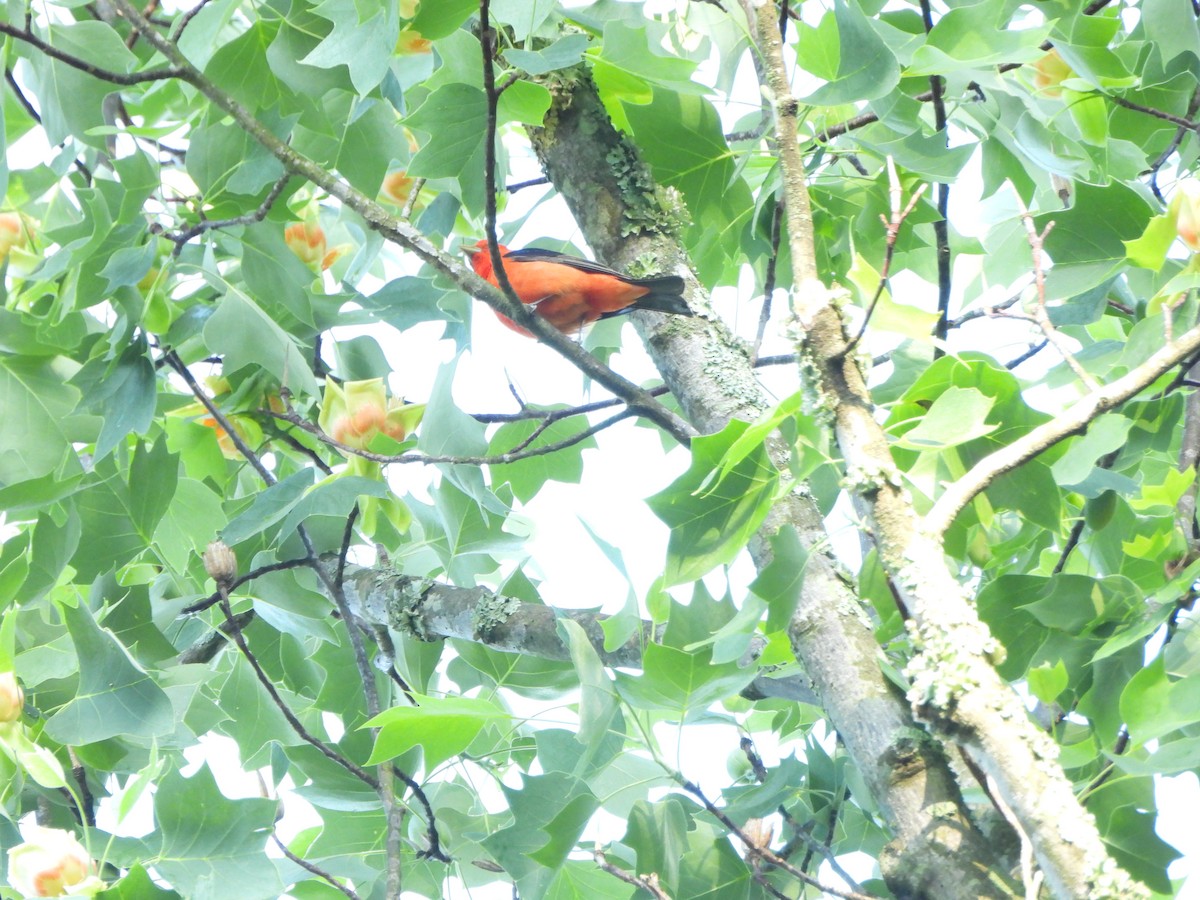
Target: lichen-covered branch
[
  {"x": 430, "y": 611},
  {"x": 954, "y": 684},
  {"x": 937, "y": 850}
]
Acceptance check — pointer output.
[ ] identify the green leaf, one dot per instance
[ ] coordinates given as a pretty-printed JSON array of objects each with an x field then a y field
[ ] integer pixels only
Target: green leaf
[
  {"x": 563, "y": 53},
  {"x": 333, "y": 496},
  {"x": 137, "y": 885},
  {"x": 35, "y": 401},
  {"x": 710, "y": 523},
  {"x": 129, "y": 265},
  {"x": 104, "y": 508},
  {"x": 1154, "y": 705},
  {"x": 210, "y": 842},
  {"x": 782, "y": 579},
  {"x": 72, "y": 101},
  {"x": 974, "y": 37},
  {"x": 363, "y": 45},
  {"x": 438, "y": 20},
  {"x": 222, "y": 158},
  {"x": 192, "y": 520},
  {"x": 527, "y": 476},
  {"x": 445, "y": 429},
  {"x": 246, "y": 336},
  {"x": 541, "y": 800},
  {"x": 865, "y": 66},
  {"x": 1047, "y": 681},
  {"x": 153, "y": 476},
  {"x": 124, "y": 393},
  {"x": 631, "y": 55},
  {"x": 957, "y": 416},
  {"x": 599, "y": 713},
  {"x": 269, "y": 507},
  {"x": 259, "y": 721},
  {"x": 1150, "y": 250},
  {"x": 442, "y": 726},
  {"x": 241, "y": 68},
  {"x": 525, "y": 16},
  {"x": 455, "y": 118},
  {"x": 1088, "y": 239},
  {"x": 1171, "y": 28},
  {"x": 682, "y": 682},
  {"x": 115, "y": 696}
]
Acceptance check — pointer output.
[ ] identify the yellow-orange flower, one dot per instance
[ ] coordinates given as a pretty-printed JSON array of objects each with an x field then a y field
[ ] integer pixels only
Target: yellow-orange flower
[
  {"x": 52, "y": 863},
  {"x": 1050, "y": 71},
  {"x": 397, "y": 186},
  {"x": 1185, "y": 207},
  {"x": 411, "y": 42},
  {"x": 12, "y": 233},
  {"x": 307, "y": 241},
  {"x": 12, "y": 699}
]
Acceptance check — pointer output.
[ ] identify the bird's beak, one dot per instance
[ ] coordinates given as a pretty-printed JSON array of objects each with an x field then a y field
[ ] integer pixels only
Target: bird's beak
[{"x": 469, "y": 249}]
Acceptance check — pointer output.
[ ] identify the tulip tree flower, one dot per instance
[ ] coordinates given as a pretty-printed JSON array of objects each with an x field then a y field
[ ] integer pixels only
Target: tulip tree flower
[{"x": 52, "y": 863}]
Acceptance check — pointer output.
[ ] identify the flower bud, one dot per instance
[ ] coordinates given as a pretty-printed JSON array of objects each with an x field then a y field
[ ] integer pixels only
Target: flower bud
[
  {"x": 52, "y": 863},
  {"x": 12, "y": 698},
  {"x": 220, "y": 562}
]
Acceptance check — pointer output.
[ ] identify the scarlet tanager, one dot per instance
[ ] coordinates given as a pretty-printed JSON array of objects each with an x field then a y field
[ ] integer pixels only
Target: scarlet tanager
[{"x": 569, "y": 292}]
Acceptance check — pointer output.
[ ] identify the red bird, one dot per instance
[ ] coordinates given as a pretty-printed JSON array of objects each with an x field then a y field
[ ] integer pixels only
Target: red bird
[{"x": 569, "y": 292}]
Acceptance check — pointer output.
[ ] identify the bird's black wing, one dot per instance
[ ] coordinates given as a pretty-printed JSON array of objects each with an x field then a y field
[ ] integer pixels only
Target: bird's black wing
[
  {"x": 536, "y": 254},
  {"x": 666, "y": 284}
]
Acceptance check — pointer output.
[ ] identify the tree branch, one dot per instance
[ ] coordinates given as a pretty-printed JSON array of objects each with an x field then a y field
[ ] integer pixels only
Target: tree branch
[
  {"x": 430, "y": 610},
  {"x": 1069, "y": 422},
  {"x": 954, "y": 684},
  {"x": 124, "y": 78}
]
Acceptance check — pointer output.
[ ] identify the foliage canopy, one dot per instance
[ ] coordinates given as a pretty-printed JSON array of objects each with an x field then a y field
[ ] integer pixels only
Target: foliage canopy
[{"x": 220, "y": 221}]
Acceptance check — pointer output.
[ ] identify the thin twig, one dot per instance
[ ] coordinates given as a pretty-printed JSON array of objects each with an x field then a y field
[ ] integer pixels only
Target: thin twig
[
  {"x": 521, "y": 185},
  {"x": 235, "y": 632},
  {"x": 1029, "y": 354},
  {"x": 1157, "y": 113},
  {"x": 941, "y": 232},
  {"x": 183, "y": 21},
  {"x": 243, "y": 448},
  {"x": 1030, "y": 878},
  {"x": 1180, "y": 134},
  {"x": 892, "y": 227},
  {"x": 163, "y": 73},
  {"x": 312, "y": 868},
  {"x": 764, "y": 314},
  {"x": 648, "y": 883},
  {"x": 87, "y": 803},
  {"x": 413, "y": 193},
  {"x": 180, "y": 238},
  {"x": 753, "y": 848},
  {"x": 1040, "y": 314},
  {"x": 519, "y": 452},
  {"x": 215, "y": 597}
]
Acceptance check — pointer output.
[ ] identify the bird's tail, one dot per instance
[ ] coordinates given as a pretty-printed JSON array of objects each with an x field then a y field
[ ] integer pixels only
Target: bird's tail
[
  {"x": 664, "y": 303},
  {"x": 666, "y": 296}
]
